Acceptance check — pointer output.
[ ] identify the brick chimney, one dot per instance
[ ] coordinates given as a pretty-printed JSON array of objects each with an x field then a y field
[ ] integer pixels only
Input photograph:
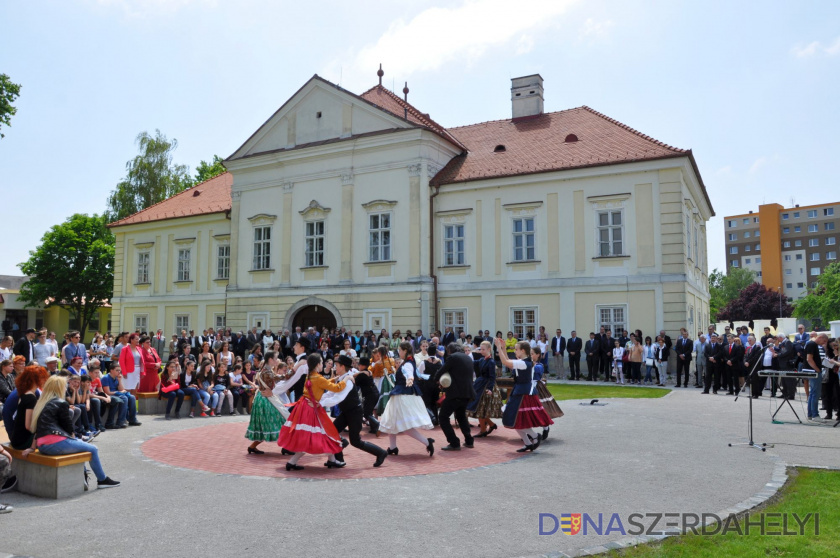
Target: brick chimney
[{"x": 526, "y": 95}]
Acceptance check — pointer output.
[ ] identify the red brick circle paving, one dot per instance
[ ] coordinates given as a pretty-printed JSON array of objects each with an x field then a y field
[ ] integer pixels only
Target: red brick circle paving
[{"x": 221, "y": 448}]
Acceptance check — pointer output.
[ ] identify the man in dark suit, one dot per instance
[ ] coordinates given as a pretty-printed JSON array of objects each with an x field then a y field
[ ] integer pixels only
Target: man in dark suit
[
  {"x": 448, "y": 337},
  {"x": 558, "y": 349},
  {"x": 351, "y": 415},
  {"x": 607, "y": 345},
  {"x": 785, "y": 360},
  {"x": 734, "y": 355},
  {"x": 685, "y": 347},
  {"x": 195, "y": 343},
  {"x": 418, "y": 338},
  {"x": 713, "y": 354},
  {"x": 623, "y": 338},
  {"x": 25, "y": 346},
  {"x": 253, "y": 338},
  {"x": 574, "y": 346},
  {"x": 458, "y": 395},
  {"x": 592, "y": 350}
]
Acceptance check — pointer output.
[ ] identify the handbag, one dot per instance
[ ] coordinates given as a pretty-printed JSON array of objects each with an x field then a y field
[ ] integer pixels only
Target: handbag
[
  {"x": 170, "y": 387},
  {"x": 648, "y": 362},
  {"x": 625, "y": 357}
]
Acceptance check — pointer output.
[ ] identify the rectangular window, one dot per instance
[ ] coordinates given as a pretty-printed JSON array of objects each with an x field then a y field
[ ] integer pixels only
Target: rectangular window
[
  {"x": 453, "y": 245},
  {"x": 797, "y": 229},
  {"x": 758, "y": 274},
  {"x": 788, "y": 272},
  {"x": 800, "y": 285},
  {"x": 733, "y": 236},
  {"x": 786, "y": 244},
  {"x": 613, "y": 318},
  {"x": 758, "y": 260},
  {"x": 184, "y": 255},
  {"x": 828, "y": 211},
  {"x": 814, "y": 285},
  {"x": 830, "y": 241},
  {"x": 747, "y": 248},
  {"x": 223, "y": 262},
  {"x": 786, "y": 230},
  {"x": 733, "y": 249},
  {"x": 611, "y": 233},
  {"x": 815, "y": 271},
  {"x": 757, "y": 234},
  {"x": 524, "y": 247},
  {"x": 747, "y": 261},
  {"x": 787, "y": 257},
  {"x": 220, "y": 321},
  {"x": 788, "y": 285},
  {"x": 141, "y": 322},
  {"x": 143, "y": 267},
  {"x": 812, "y": 214},
  {"x": 813, "y": 242},
  {"x": 746, "y": 234},
  {"x": 262, "y": 248},
  {"x": 456, "y": 319},
  {"x": 797, "y": 243},
  {"x": 733, "y": 223},
  {"x": 785, "y": 216},
  {"x": 314, "y": 243},
  {"x": 747, "y": 221},
  {"x": 815, "y": 257},
  {"x": 813, "y": 228},
  {"x": 831, "y": 255},
  {"x": 182, "y": 322},
  {"x": 523, "y": 321},
  {"x": 380, "y": 237},
  {"x": 796, "y": 215},
  {"x": 829, "y": 226},
  {"x": 734, "y": 263},
  {"x": 798, "y": 256},
  {"x": 757, "y": 247}
]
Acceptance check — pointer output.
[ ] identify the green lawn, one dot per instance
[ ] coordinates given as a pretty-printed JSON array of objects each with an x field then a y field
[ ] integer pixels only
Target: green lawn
[
  {"x": 808, "y": 491},
  {"x": 588, "y": 391}
]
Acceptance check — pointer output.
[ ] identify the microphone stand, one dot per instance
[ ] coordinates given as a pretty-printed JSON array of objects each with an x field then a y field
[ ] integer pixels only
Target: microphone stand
[{"x": 752, "y": 443}]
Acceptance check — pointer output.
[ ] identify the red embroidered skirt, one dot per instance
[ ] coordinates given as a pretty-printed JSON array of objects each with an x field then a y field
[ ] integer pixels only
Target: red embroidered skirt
[{"x": 308, "y": 429}]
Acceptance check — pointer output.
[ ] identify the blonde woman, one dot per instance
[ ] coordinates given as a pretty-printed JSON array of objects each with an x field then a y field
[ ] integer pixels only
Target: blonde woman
[{"x": 53, "y": 422}]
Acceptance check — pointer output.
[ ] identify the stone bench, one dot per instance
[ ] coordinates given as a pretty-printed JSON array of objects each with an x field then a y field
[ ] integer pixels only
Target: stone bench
[
  {"x": 149, "y": 404},
  {"x": 49, "y": 476}
]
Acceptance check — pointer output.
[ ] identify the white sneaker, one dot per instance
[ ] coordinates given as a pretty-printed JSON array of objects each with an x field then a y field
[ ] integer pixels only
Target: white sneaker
[{"x": 6, "y": 508}]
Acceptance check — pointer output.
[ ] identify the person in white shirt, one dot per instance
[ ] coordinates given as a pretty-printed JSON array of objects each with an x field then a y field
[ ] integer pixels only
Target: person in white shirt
[
  {"x": 347, "y": 350},
  {"x": 618, "y": 353},
  {"x": 42, "y": 349},
  {"x": 6, "y": 344}
]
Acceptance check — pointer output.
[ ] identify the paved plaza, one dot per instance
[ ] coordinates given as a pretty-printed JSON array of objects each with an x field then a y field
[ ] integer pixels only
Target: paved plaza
[{"x": 189, "y": 488}]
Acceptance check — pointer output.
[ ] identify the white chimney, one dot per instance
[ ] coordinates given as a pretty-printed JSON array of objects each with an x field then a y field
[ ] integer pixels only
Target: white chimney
[{"x": 526, "y": 95}]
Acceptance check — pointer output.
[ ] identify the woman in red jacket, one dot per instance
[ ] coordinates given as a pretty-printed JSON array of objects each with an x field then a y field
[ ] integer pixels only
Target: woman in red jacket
[
  {"x": 151, "y": 381},
  {"x": 132, "y": 363}
]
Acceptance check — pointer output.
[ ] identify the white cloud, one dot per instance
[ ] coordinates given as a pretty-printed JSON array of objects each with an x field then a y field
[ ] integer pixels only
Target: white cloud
[
  {"x": 437, "y": 36},
  {"x": 592, "y": 28},
  {"x": 758, "y": 164},
  {"x": 816, "y": 47}
]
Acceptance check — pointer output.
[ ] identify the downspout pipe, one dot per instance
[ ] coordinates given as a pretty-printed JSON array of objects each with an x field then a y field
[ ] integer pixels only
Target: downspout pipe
[{"x": 432, "y": 273}]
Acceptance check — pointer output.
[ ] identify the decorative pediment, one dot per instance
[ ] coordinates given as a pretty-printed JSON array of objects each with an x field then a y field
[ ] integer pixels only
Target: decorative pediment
[
  {"x": 262, "y": 219},
  {"x": 609, "y": 201},
  {"x": 189, "y": 240},
  {"x": 314, "y": 211},
  {"x": 379, "y": 205},
  {"x": 144, "y": 245},
  {"x": 453, "y": 215},
  {"x": 523, "y": 208}
]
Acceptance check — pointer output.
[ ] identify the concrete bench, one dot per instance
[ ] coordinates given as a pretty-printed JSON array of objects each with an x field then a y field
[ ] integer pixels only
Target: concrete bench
[
  {"x": 49, "y": 476},
  {"x": 149, "y": 404}
]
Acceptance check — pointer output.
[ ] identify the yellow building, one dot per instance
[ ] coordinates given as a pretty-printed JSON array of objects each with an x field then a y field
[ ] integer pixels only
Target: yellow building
[{"x": 361, "y": 211}]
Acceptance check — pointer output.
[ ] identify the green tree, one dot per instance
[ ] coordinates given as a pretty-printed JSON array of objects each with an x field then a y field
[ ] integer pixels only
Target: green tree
[
  {"x": 151, "y": 177},
  {"x": 823, "y": 301},
  {"x": 724, "y": 288},
  {"x": 9, "y": 91},
  {"x": 205, "y": 171},
  {"x": 73, "y": 267}
]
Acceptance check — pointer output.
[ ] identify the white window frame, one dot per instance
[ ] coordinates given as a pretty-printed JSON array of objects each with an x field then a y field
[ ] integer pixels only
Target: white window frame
[
  {"x": 450, "y": 318},
  {"x": 800, "y": 285},
  {"x": 223, "y": 261},
  {"x": 733, "y": 237},
  {"x": 788, "y": 285},
  {"x": 184, "y": 264},
  {"x": 144, "y": 262},
  {"x": 139, "y": 319},
  {"x": 815, "y": 271},
  {"x": 611, "y": 229},
  {"x": 315, "y": 235},
  {"x": 831, "y": 241},
  {"x": 184, "y": 319},
  {"x": 812, "y": 242},
  {"x": 797, "y": 229},
  {"x": 747, "y": 234},
  {"x": 798, "y": 257},
  {"x": 785, "y": 216},
  {"x": 829, "y": 226},
  {"x": 812, "y": 214},
  {"x": 262, "y": 248},
  {"x": 747, "y": 248},
  {"x": 219, "y": 323},
  {"x": 786, "y": 244},
  {"x": 828, "y": 212},
  {"x": 785, "y": 230},
  {"x": 733, "y": 223},
  {"x": 454, "y": 244},
  {"x": 815, "y": 257},
  {"x": 788, "y": 272},
  {"x": 797, "y": 243},
  {"x": 522, "y": 237},
  {"x": 524, "y": 326},
  {"x": 813, "y": 228},
  {"x": 787, "y": 257},
  {"x": 733, "y": 250},
  {"x": 796, "y": 215},
  {"x": 735, "y": 264},
  {"x": 379, "y": 250},
  {"x": 612, "y": 323},
  {"x": 831, "y": 255}
]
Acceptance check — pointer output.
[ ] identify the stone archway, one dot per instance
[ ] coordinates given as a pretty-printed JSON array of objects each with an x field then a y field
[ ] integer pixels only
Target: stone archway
[{"x": 315, "y": 312}]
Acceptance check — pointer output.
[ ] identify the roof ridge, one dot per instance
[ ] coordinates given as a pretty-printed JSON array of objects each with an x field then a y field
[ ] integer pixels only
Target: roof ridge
[
  {"x": 117, "y": 223},
  {"x": 512, "y": 119},
  {"x": 405, "y": 104},
  {"x": 634, "y": 131}
]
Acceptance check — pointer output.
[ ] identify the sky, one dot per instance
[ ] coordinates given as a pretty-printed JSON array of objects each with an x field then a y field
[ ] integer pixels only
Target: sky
[{"x": 750, "y": 86}]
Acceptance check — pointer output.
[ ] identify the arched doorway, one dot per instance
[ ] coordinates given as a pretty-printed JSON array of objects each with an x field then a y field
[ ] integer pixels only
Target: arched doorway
[{"x": 315, "y": 316}]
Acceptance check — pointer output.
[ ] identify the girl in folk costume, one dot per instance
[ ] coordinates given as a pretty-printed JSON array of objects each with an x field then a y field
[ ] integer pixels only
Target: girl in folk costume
[
  {"x": 309, "y": 429},
  {"x": 488, "y": 404},
  {"x": 386, "y": 367},
  {"x": 523, "y": 411},
  {"x": 268, "y": 414},
  {"x": 551, "y": 407},
  {"x": 405, "y": 412}
]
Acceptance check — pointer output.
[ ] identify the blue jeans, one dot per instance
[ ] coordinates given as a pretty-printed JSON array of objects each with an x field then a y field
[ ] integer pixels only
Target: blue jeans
[
  {"x": 194, "y": 394},
  {"x": 203, "y": 396},
  {"x": 214, "y": 399},
  {"x": 172, "y": 396},
  {"x": 72, "y": 445},
  {"x": 116, "y": 408},
  {"x": 649, "y": 373},
  {"x": 128, "y": 409},
  {"x": 96, "y": 412},
  {"x": 814, "y": 395}
]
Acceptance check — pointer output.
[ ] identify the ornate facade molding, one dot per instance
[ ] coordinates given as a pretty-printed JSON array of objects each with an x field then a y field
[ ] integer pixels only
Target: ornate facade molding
[
  {"x": 314, "y": 211},
  {"x": 379, "y": 205}
]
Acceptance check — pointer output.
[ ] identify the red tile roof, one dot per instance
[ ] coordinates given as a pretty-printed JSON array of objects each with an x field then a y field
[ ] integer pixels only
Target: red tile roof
[
  {"x": 537, "y": 144},
  {"x": 390, "y": 102},
  {"x": 211, "y": 196}
]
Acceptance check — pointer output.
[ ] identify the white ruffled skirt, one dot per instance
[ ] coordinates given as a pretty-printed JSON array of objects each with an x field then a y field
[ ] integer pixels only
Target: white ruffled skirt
[{"x": 404, "y": 412}]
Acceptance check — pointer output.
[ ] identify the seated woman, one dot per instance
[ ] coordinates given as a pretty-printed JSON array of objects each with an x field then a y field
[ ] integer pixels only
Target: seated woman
[
  {"x": 79, "y": 407},
  {"x": 28, "y": 386},
  {"x": 53, "y": 431},
  {"x": 205, "y": 382},
  {"x": 191, "y": 386},
  {"x": 237, "y": 388},
  {"x": 248, "y": 384},
  {"x": 221, "y": 387},
  {"x": 169, "y": 378}
]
